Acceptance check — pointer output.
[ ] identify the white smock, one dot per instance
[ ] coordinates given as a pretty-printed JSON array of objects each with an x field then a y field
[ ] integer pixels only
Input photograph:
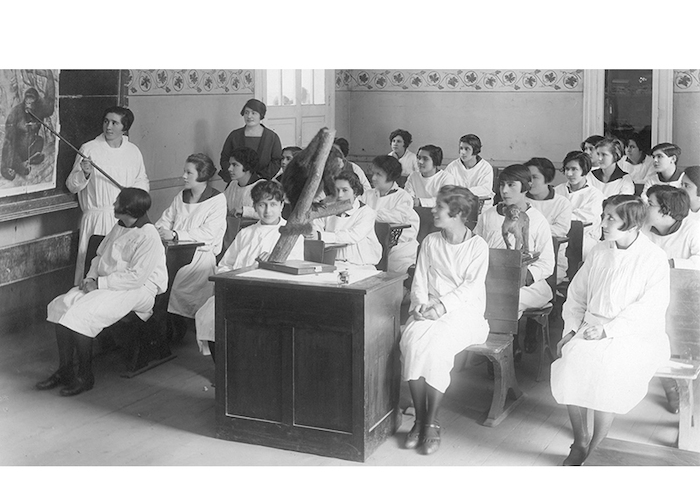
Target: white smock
[
  {"x": 426, "y": 188},
  {"x": 205, "y": 222},
  {"x": 238, "y": 198},
  {"x": 355, "y": 227},
  {"x": 626, "y": 291},
  {"x": 477, "y": 179},
  {"x": 539, "y": 293},
  {"x": 587, "y": 207},
  {"x": 409, "y": 162},
  {"x": 97, "y": 195},
  {"x": 130, "y": 271},
  {"x": 619, "y": 182},
  {"x": 638, "y": 171},
  {"x": 454, "y": 274},
  {"x": 249, "y": 243},
  {"x": 396, "y": 207},
  {"x": 557, "y": 210},
  {"x": 654, "y": 178},
  {"x": 682, "y": 244}
]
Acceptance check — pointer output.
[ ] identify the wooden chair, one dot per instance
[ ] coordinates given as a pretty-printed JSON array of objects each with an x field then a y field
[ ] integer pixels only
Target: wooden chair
[
  {"x": 233, "y": 225},
  {"x": 502, "y": 294},
  {"x": 388, "y": 235},
  {"x": 145, "y": 342},
  {"x": 316, "y": 251},
  {"x": 683, "y": 329}
]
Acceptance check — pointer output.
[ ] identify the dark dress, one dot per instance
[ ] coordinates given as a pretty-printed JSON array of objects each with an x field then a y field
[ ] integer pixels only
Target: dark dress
[{"x": 269, "y": 151}]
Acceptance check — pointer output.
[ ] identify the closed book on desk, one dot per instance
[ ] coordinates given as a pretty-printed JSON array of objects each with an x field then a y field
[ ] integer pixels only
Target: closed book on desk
[{"x": 298, "y": 267}]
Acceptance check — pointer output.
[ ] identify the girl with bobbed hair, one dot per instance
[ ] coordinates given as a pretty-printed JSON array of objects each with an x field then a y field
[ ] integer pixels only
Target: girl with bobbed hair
[
  {"x": 256, "y": 136},
  {"x": 471, "y": 171},
  {"x": 448, "y": 302},
  {"x": 586, "y": 201},
  {"x": 242, "y": 169},
  {"x": 588, "y": 147},
  {"x": 615, "y": 316},
  {"x": 666, "y": 170},
  {"x": 126, "y": 275},
  {"x": 197, "y": 213},
  {"x": 425, "y": 184},
  {"x": 399, "y": 140},
  {"x": 609, "y": 178},
  {"x": 690, "y": 183},
  {"x": 637, "y": 161}
]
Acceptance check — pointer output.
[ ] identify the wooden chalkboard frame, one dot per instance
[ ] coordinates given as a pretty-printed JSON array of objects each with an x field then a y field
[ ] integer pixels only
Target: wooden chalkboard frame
[{"x": 83, "y": 95}]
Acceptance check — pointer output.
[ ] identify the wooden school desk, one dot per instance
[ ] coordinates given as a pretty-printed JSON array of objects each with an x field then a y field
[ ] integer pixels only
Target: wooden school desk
[{"x": 310, "y": 367}]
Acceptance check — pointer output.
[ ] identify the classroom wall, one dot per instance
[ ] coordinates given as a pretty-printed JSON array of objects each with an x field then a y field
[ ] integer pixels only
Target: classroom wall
[
  {"x": 180, "y": 112},
  {"x": 686, "y": 115},
  {"x": 517, "y": 114}
]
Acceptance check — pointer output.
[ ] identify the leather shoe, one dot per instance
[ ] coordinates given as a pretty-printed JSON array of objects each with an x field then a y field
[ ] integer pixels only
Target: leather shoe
[
  {"x": 413, "y": 438},
  {"x": 431, "y": 443},
  {"x": 59, "y": 377},
  {"x": 577, "y": 455},
  {"x": 79, "y": 385}
]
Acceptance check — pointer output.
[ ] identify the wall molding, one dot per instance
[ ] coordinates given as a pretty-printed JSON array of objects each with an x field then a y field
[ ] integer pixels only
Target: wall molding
[
  {"x": 460, "y": 80},
  {"x": 686, "y": 80},
  {"x": 190, "y": 81}
]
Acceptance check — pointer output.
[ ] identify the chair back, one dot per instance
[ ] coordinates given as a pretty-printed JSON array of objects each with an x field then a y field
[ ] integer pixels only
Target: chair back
[
  {"x": 503, "y": 290},
  {"x": 233, "y": 225},
  {"x": 93, "y": 243},
  {"x": 383, "y": 232},
  {"x": 574, "y": 250},
  {"x": 427, "y": 225},
  {"x": 683, "y": 314}
]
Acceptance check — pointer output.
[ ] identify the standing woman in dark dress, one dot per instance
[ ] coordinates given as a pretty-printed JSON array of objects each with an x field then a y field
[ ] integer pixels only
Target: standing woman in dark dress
[{"x": 256, "y": 136}]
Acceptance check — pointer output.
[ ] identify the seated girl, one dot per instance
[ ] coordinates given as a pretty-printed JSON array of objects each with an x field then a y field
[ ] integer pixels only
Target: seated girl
[
  {"x": 425, "y": 184},
  {"x": 242, "y": 170},
  {"x": 555, "y": 208},
  {"x": 251, "y": 244},
  {"x": 586, "y": 201},
  {"x": 636, "y": 161},
  {"x": 198, "y": 213},
  {"x": 126, "y": 275},
  {"x": 671, "y": 229},
  {"x": 471, "y": 170},
  {"x": 666, "y": 169},
  {"x": 615, "y": 316},
  {"x": 609, "y": 178},
  {"x": 448, "y": 301},
  {"x": 354, "y": 228},
  {"x": 690, "y": 183},
  {"x": 395, "y": 206},
  {"x": 344, "y": 147},
  {"x": 399, "y": 140},
  {"x": 514, "y": 182},
  {"x": 287, "y": 155},
  {"x": 588, "y": 147}
]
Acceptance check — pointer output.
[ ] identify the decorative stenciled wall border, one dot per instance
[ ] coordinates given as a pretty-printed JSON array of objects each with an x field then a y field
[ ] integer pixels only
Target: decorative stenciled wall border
[
  {"x": 537, "y": 80},
  {"x": 191, "y": 81},
  {"x": 686, "y": 80}
]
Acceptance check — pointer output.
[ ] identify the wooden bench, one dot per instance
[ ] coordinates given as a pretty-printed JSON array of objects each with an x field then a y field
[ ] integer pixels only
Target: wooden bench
[
  {"x": 624, "y": 453},
  {"x": 683, "y": 329},
  {"x": 502, "y": 295}
]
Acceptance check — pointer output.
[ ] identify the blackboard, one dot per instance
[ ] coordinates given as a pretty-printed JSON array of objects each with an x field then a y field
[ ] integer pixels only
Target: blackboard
[{"x": 83, "y": 96}]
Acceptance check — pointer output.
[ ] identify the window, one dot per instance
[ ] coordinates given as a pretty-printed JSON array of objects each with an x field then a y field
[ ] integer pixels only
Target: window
[
  {"x": 282, "y": 87},
  {"x": 628, "y": 103}
]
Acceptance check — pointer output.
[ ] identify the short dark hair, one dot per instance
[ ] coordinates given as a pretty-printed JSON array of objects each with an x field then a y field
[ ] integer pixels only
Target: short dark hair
[
  {"x": 255, "y": 105},
  {"x": 389, "y": 165},
  {"x": 516, "y": 172},
  {"x": 693, "y": 173},
  {"x": 267, "y": 189},
  {"x": 473, "y": 141},
  {"x": 641, "y": 142},
  {"x": 125, "y": 114},
  {"x": 545, "y": 166},
  {"x": 246, "y": 157},
  {"x": 204, "y": 165},
  {"x": 614, "y": 145},
  {"x": 343, "y": 144},
  {"x": 435, "y": 153},
  {"x": 593, "y": 139},
  {"x": 459, "y": 200},
  {"x": 669, "y": 149},
  {"x": 293, "y": 149},
  {"x": 672, "y": 201},
  {"x": 405, "y": 135},
  {"x": 580, "y": 157},
  {"x": 134, "y": 202},
  {"x": 630, "y": 208},
  {"x": 353, "y": 180}
]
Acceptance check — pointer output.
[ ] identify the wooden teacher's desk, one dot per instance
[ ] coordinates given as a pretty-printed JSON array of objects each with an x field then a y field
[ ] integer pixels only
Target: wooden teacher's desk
[{"x": 308, "y": 366}]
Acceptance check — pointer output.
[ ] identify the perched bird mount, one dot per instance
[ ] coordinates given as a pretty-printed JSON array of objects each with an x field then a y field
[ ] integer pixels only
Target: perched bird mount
[{"x": 310, "y": 172}]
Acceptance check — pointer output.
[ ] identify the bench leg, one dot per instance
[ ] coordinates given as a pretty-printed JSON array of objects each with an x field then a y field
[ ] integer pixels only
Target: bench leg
[
  {"x": 545, "y": 347},
  {"x": 505, "y": 385},
  {"x": 147, "y": 346},
  {"x": 689, "y": 424}
]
